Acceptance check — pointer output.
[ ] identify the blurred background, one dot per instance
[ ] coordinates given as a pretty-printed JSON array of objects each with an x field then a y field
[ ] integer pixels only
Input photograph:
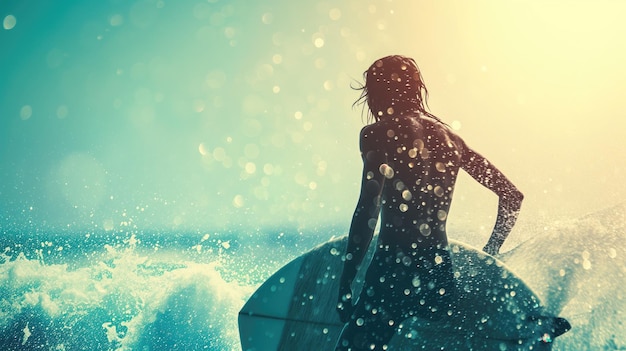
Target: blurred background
[{"x": 192, "y": 115}]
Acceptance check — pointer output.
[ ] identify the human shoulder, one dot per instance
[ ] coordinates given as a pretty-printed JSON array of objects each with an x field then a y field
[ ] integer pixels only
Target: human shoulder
[
  {"x": 376, "y": 131},
  {"x": 375, "y": 136},
  {"x": 453, "y": 139},
  {"x": 375, "y": 127}
]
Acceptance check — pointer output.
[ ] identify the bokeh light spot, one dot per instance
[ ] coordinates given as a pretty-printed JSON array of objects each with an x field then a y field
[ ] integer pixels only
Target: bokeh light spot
[
  {"x": 9, "y": 22},
  {"x": 203, "y": 149},
  {"x": 318, "y": 40},
  {"x": 250, "y": 168},
  {"x": 334, "y": 14},
  {"x": 267, "y": 18},
  {"x": 62, "y": 112},
  {"x": 26, "y": 112},
  {"x": 238, "y": 201},
  {"x": 116, "y": 20}
]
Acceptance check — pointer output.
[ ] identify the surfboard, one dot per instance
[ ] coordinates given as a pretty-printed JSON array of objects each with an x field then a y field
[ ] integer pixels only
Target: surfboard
[{"x": 295, "y": 308}]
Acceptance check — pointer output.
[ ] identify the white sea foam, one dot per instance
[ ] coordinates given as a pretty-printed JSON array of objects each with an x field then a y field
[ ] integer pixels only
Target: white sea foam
[
  {"x": 578, "y": 269},
  {"x": 121, "y": 301}
]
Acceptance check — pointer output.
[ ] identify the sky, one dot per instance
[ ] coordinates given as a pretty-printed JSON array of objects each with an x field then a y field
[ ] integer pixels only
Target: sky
[{"x": 227, "y": 115}]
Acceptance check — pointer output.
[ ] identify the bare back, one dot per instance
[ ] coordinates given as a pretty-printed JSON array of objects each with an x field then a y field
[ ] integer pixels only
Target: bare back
[{"x": 419, "y": 159}]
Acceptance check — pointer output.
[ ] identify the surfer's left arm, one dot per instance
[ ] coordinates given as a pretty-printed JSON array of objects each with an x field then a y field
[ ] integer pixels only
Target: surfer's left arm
[
  {"x": 364, "y": 220},
  {"x": 509, "y": 197}
]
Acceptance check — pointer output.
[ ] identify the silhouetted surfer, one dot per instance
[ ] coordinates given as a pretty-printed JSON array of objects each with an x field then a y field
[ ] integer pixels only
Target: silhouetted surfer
[{"x": 411, "y": 160}]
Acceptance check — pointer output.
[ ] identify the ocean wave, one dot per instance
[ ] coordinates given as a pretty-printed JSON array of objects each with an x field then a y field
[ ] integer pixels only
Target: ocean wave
[
  {"x": 578, "y": 269},
  {"x": 124, "y": 300}
]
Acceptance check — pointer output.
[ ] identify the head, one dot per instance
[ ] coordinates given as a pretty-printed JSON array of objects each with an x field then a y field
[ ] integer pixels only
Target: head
[{"x": 393, "y": 87}]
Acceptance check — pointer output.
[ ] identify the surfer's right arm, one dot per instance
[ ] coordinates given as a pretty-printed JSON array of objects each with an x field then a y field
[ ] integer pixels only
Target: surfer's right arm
[
  {"x": 509, "y": 197},
  {"x": 364, "y": 219}
]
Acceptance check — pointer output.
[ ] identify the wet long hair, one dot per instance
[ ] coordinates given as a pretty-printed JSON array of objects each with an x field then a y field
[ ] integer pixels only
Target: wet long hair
[{"x": 394, "y": 86}]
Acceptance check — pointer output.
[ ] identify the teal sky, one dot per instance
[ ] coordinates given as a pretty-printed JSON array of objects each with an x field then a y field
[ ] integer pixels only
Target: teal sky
[{"x": 202, "y": 115}]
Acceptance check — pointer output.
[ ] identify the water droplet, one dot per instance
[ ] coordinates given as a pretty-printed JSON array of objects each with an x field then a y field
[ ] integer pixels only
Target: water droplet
[
  {"x": 413, "y": 153},
  {"x": 440, "y": 166},
  {"x": 438, "y": 259},
  {"x": 418, "y": 144},
  {"x": 442, "y": 215},
  {"x": 395, "y": 77},
  {"x": 406, "y": 195},
  {"x": 219, "y": 154},
  {"x": 438, "y": 191},
  {"x": 334, "y": 14},
  {"x": 390, "y": 111},
  {"x": 198, "y": 105},
  {"x": 26, "y": 112},
  {"x": 386, "y": 170},
  {"x": 238, "y": 201},
  {"x": 203, "y": 149},
  {"x": 403, "y": 207},
  {"x": 328, "y": 85},
  {"x": 318, "y": 40},
  {"x": 391, "y": 133},
  {"x": 416, "y": 282},
  {"x": 116, "y": 20},
  {"x": 9, "y": 22},
  {"x": 250, "y": 168},
  {"x": 360, "y": 322},
  {"x": 277, "y": 59},
  {"x": 267, "y": 18},
  {"x": 268, "y": 169},
  {"x": 62, "y": 112},
  {"x": 372, "y": 223},
  {"x": 425, "y": 229},
  {"x": 612, "y": 253}
]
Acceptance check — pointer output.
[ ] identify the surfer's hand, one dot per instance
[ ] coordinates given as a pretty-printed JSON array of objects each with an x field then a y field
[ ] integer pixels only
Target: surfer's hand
[
  {"x": 492, "y": 250},
  {"x": 344, "y": 304}
]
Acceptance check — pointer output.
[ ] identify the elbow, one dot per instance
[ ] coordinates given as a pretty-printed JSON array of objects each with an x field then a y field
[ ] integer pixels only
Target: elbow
[
  {"x": 518, "y": 196},
  {"x": 514, "y": 199}
]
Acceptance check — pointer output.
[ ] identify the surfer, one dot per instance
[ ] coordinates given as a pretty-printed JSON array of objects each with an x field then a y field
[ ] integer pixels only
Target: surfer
[{"x": 411, "y": 160}]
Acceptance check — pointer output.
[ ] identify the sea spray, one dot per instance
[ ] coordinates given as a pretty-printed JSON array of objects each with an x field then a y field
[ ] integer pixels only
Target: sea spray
[
  {"x": 122, "y": 299},
  {"x": 578, "y": 268}
]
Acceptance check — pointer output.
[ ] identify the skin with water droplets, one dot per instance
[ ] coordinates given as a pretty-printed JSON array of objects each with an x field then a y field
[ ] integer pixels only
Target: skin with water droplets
[{"x": 411, "y": 161}]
